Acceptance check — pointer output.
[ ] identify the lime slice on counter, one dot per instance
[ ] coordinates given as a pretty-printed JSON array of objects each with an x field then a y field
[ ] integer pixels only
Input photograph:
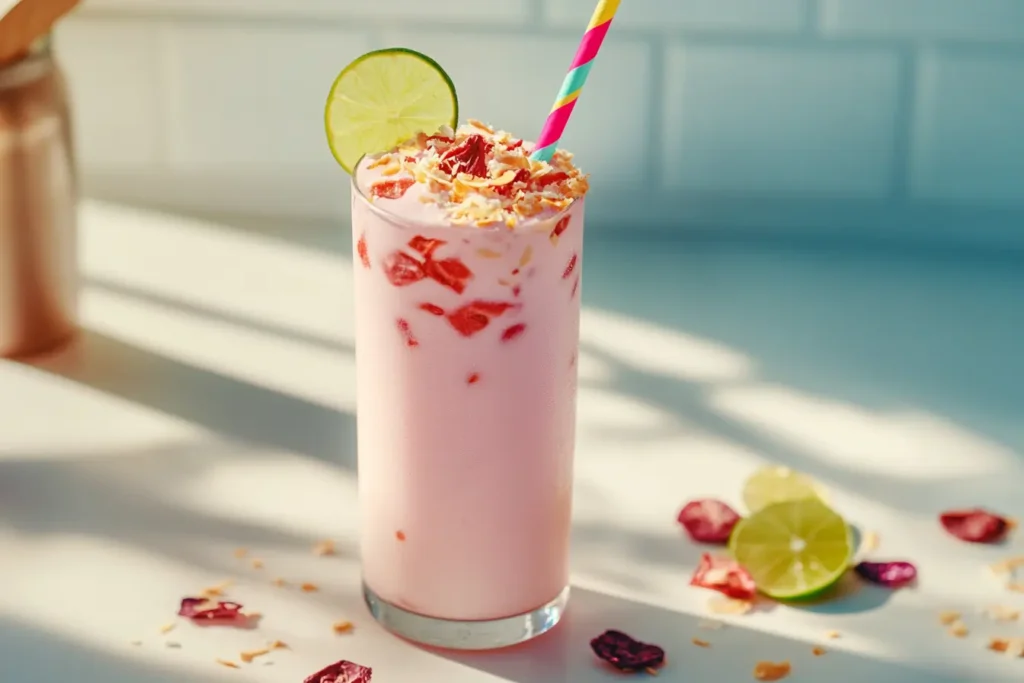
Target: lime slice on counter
[
  {"x": 384, "y": 98},
  {"x": 776, "y": 484},
  {"x": 795, "y": 549}
]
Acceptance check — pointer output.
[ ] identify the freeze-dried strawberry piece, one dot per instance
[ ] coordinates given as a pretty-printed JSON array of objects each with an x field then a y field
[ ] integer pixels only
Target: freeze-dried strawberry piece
[
  {"x": 516, "y": 290},
  {"x": 550, "y": 179},
  {"x": 561, "y": 226},
  {"x": 975, "y": 525},
  {"x": 425, "y": 245},
  {"x": 432, "y": 309},
  {"x": 450, "y": 272},
  {"x": 571, "y": 266},
  {"x": 724, "y": 575},
  {"x": 575, "y": 287},
  {"x": 514, "y": 145},
  {"x": 201, "y": 609},
  {"x": 708, "y": 521},
  {"x": 513, "y": 332},
  {"x": 476, "y": 315},
  {"x": 342, "y": 672},
  {"x": 469, "y": 156},
  {"x": 391, "y": 189},
  {"x": 406, "y": 332},
  {"x": 402, "y": 269},
  {"x": 364, "y": 253},
  {"x": 441, "y": 138},
  {"x": 506, "y": 190}
]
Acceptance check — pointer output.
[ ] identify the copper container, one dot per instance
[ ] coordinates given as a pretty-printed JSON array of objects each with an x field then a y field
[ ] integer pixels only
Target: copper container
[{"x": 38, "y": 255}]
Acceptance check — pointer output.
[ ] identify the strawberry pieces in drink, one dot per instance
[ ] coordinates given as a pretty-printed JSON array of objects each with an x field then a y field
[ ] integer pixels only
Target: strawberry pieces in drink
[
  {"x": 476, "y": 315},
  {"x": 450, "y": 272},
  {"x": 402, "y": 269},
  {"x": 364, "y": 253},
  {"x": 975, "y": 525},
  {"x": 425, "y": 245},
  {"x": 342, "y": 672},
  {"x": 469, "y": 156},
  {"x": 724, "y": 575},
  {"x": 575, "y": 287},
  {"x": 708, "y": 521},
  {"x": 561, "y": 226},
  {"x": 571, "y": 266},
  {"x": 406, "y": 332},
  {"x": 391, "y": 189},
  {"x": 432, "y": 309},
  {"x": 513, "y": 332}
]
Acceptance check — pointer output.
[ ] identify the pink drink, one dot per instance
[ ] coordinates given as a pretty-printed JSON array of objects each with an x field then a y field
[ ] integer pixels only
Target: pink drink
[{"x": 466, "y": 339}]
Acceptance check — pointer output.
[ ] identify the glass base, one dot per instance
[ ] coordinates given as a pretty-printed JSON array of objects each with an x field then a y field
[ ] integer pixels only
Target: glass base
[{"x": 466, "y": 635}]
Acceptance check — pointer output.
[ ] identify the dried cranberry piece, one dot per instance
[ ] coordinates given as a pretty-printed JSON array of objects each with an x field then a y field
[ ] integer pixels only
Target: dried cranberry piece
[
  {"x": 513, "y": 332},
  {"x": 406, "y": 332},
  {"x": 364, "y": 253},
  {"x": 432, "y": 309},
  {"x": 708, "y": 521},
  {"x": 888, "y": 574},
  {"x": 450, "y": 272},
  {"x": 425, "y": 245},
  {"x": 391, "y": 189},
  {"x": 469, "y": 156},
  {"x": 201, "y": 609},
  {"x": 342, "y": 672},
  {"x": 626, "y": 653},
  {"x": 402, "y": 269},
  {"x": 571, "y": 266},
  {"x": 476, "y": 315},
  {"x": 975, "y": 525},
  {"x": 561, "y": 226},
  {"x": 724, "y": 575}
]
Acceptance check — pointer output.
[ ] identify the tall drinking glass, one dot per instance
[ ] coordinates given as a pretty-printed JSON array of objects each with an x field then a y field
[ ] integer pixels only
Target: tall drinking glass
[{"x": 466, "y": 347}]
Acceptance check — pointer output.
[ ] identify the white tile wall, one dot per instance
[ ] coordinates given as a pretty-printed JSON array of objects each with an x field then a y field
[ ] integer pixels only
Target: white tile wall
[{"x": 870, "y": 114}]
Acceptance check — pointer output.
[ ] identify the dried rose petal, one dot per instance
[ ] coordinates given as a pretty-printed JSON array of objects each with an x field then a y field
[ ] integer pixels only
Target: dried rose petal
[
  {"x": 626, "y": 653},
  {"x": 201, "y": 609},
  {"x": 708, "y": 521},
  {"x": 364, "y": 254},
  {"x": 569, "y": 268},
  {"x": 342, "y": 672},
  {"x": 975, "y": 525},
  {"x": 724, "y": 575},
  {"x": 391, "y": 189},
  {"x": 888, "y": 574},
  {"x": 450, "y": 272},
  {"x": 469, "y": 156},
  {"x": 513, "y": 332},
  {"x": 402, "y": 269},
  {"x": 425, "y": 245}
]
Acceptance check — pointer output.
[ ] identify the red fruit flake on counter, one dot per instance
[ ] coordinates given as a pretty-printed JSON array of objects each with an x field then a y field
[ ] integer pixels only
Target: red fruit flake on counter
[
  {"x": 570, "y": 267},
  {"x": 888, "y": 574},
  {"x": 513, "y": 332},
  {"x": 406, "y": 331},
  {"x": 342, "y": 672},
  {"x": 975, "y": 525},
  {"x": 425, "y": 245},
  {"x": 364, "y": 254},
  {"x": 201, "y": 609},
  {"x": 402, "y": 269},
  {"x": 476, "y": 315},
  {"x": 708, "y": 521},
  {"x": 432, "y": 309},
  {"x": 724, "y": 575},
  {"x": 450, "y": 272},
  {"x": 626, "y": 653},
  {"x": 391, "y": 189},
  {"x": 469, "y": 156}
]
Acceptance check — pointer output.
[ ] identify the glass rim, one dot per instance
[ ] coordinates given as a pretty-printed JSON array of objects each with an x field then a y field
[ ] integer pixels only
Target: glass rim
[{"x": 400, "y": 221}]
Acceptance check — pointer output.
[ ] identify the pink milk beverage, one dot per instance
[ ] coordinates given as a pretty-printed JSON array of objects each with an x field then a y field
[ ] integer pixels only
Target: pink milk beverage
[{"x": 468, "y": 259}]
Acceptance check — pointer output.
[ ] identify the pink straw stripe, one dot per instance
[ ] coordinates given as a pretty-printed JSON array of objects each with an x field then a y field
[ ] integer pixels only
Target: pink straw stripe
[
  {"x": 591, "y": 43},
  {"x": 555, "y": 125}
]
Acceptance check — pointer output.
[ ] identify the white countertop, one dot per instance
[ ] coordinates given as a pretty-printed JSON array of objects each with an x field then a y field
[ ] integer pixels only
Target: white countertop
[{"x": 209, "y": 407}]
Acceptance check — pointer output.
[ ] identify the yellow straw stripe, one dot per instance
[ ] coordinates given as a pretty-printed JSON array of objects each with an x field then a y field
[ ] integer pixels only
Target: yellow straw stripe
[
  {"x": 604, "y": 12},
  {"x": 567, "y": 99}
]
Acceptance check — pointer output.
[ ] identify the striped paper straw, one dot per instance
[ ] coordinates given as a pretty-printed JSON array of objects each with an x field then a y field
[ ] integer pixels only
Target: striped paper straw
[{"x": 547, "y": 143}]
